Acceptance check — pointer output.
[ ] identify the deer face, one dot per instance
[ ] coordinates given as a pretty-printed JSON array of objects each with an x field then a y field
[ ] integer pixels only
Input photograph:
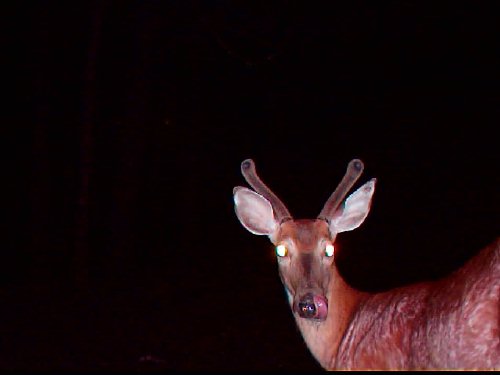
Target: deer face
[
  {"x": 304, "y": 247},
  {"x": 305, "y": 255}
]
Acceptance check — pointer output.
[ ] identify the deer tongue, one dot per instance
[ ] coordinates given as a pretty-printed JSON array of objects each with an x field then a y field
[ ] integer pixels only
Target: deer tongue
[{"x": 321, "y": 307}]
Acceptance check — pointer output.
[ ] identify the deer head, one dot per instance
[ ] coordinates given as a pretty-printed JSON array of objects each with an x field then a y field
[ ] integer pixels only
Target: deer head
[{"x": 305, "y": 248}]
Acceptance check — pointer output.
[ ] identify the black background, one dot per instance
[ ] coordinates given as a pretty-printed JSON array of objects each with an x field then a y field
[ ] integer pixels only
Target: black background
[{"x": 126, "y": 123}]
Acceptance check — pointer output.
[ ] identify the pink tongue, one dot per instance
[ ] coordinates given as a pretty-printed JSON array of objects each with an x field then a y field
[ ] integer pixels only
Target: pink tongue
[{"x": 321, "y": 307}]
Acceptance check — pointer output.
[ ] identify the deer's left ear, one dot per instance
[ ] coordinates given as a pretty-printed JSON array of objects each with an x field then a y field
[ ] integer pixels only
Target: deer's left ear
[
  {"x": 355, "y": 209},
  {"x": 254, "y": 211}
]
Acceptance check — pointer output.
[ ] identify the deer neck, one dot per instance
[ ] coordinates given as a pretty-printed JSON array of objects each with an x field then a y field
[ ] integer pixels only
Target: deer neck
[{"x": 323, "y": 338}]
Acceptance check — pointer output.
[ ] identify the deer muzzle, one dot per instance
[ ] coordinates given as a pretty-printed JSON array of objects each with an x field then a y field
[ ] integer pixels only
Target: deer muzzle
[{"x": 311, "y": 306}]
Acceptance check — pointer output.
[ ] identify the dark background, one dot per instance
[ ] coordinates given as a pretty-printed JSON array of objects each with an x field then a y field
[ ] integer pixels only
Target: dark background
[{"x": 126, "y": 123}]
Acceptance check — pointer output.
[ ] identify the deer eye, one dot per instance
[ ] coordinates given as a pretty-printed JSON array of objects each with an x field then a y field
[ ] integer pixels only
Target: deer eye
[
  {"x": 281, "y": 250},
  {"x": 329, "y": 250}
]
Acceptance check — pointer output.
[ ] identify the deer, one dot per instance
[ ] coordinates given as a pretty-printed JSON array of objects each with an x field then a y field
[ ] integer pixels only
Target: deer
[{"x": 448, "y": 323}]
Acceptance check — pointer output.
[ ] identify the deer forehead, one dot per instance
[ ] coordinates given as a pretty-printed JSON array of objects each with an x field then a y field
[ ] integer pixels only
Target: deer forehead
[{"x": 304, "y": 233}]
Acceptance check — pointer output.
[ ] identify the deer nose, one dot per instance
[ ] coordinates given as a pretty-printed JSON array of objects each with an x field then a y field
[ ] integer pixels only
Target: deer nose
[
  {"x": 311, "y": 306},
  {"x": 307, "y": 308}
]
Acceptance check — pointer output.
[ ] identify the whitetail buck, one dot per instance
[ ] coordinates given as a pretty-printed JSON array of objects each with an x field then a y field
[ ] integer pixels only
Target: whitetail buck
[{"x": 452, "y": 323}]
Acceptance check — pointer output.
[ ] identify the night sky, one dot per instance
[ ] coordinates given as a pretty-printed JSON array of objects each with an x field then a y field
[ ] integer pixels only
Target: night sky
[{"x": 127, "y": 121}]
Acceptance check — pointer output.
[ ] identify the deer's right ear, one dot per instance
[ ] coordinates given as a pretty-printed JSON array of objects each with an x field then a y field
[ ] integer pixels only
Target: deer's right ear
[{"x": 254, "y": 211}]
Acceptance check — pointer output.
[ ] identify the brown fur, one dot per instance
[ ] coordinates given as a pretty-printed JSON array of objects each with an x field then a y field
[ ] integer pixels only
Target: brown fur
[{"x": 452, "y": 323}]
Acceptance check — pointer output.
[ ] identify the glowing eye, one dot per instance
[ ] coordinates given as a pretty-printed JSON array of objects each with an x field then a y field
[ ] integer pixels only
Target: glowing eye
[
  {"x": 329, "y": 250},
  {"x": 281, "y": 250}
]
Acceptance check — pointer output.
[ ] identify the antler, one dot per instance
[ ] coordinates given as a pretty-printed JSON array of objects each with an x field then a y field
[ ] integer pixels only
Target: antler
[
  {"x": 248, "y": 170},
  {"x": 354, "y": 170}
]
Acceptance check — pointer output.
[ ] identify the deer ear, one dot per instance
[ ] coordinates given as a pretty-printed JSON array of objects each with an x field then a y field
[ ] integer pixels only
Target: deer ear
[
  {"x": 355, "y": 209},
  {"x": 254, "y": 211}
]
